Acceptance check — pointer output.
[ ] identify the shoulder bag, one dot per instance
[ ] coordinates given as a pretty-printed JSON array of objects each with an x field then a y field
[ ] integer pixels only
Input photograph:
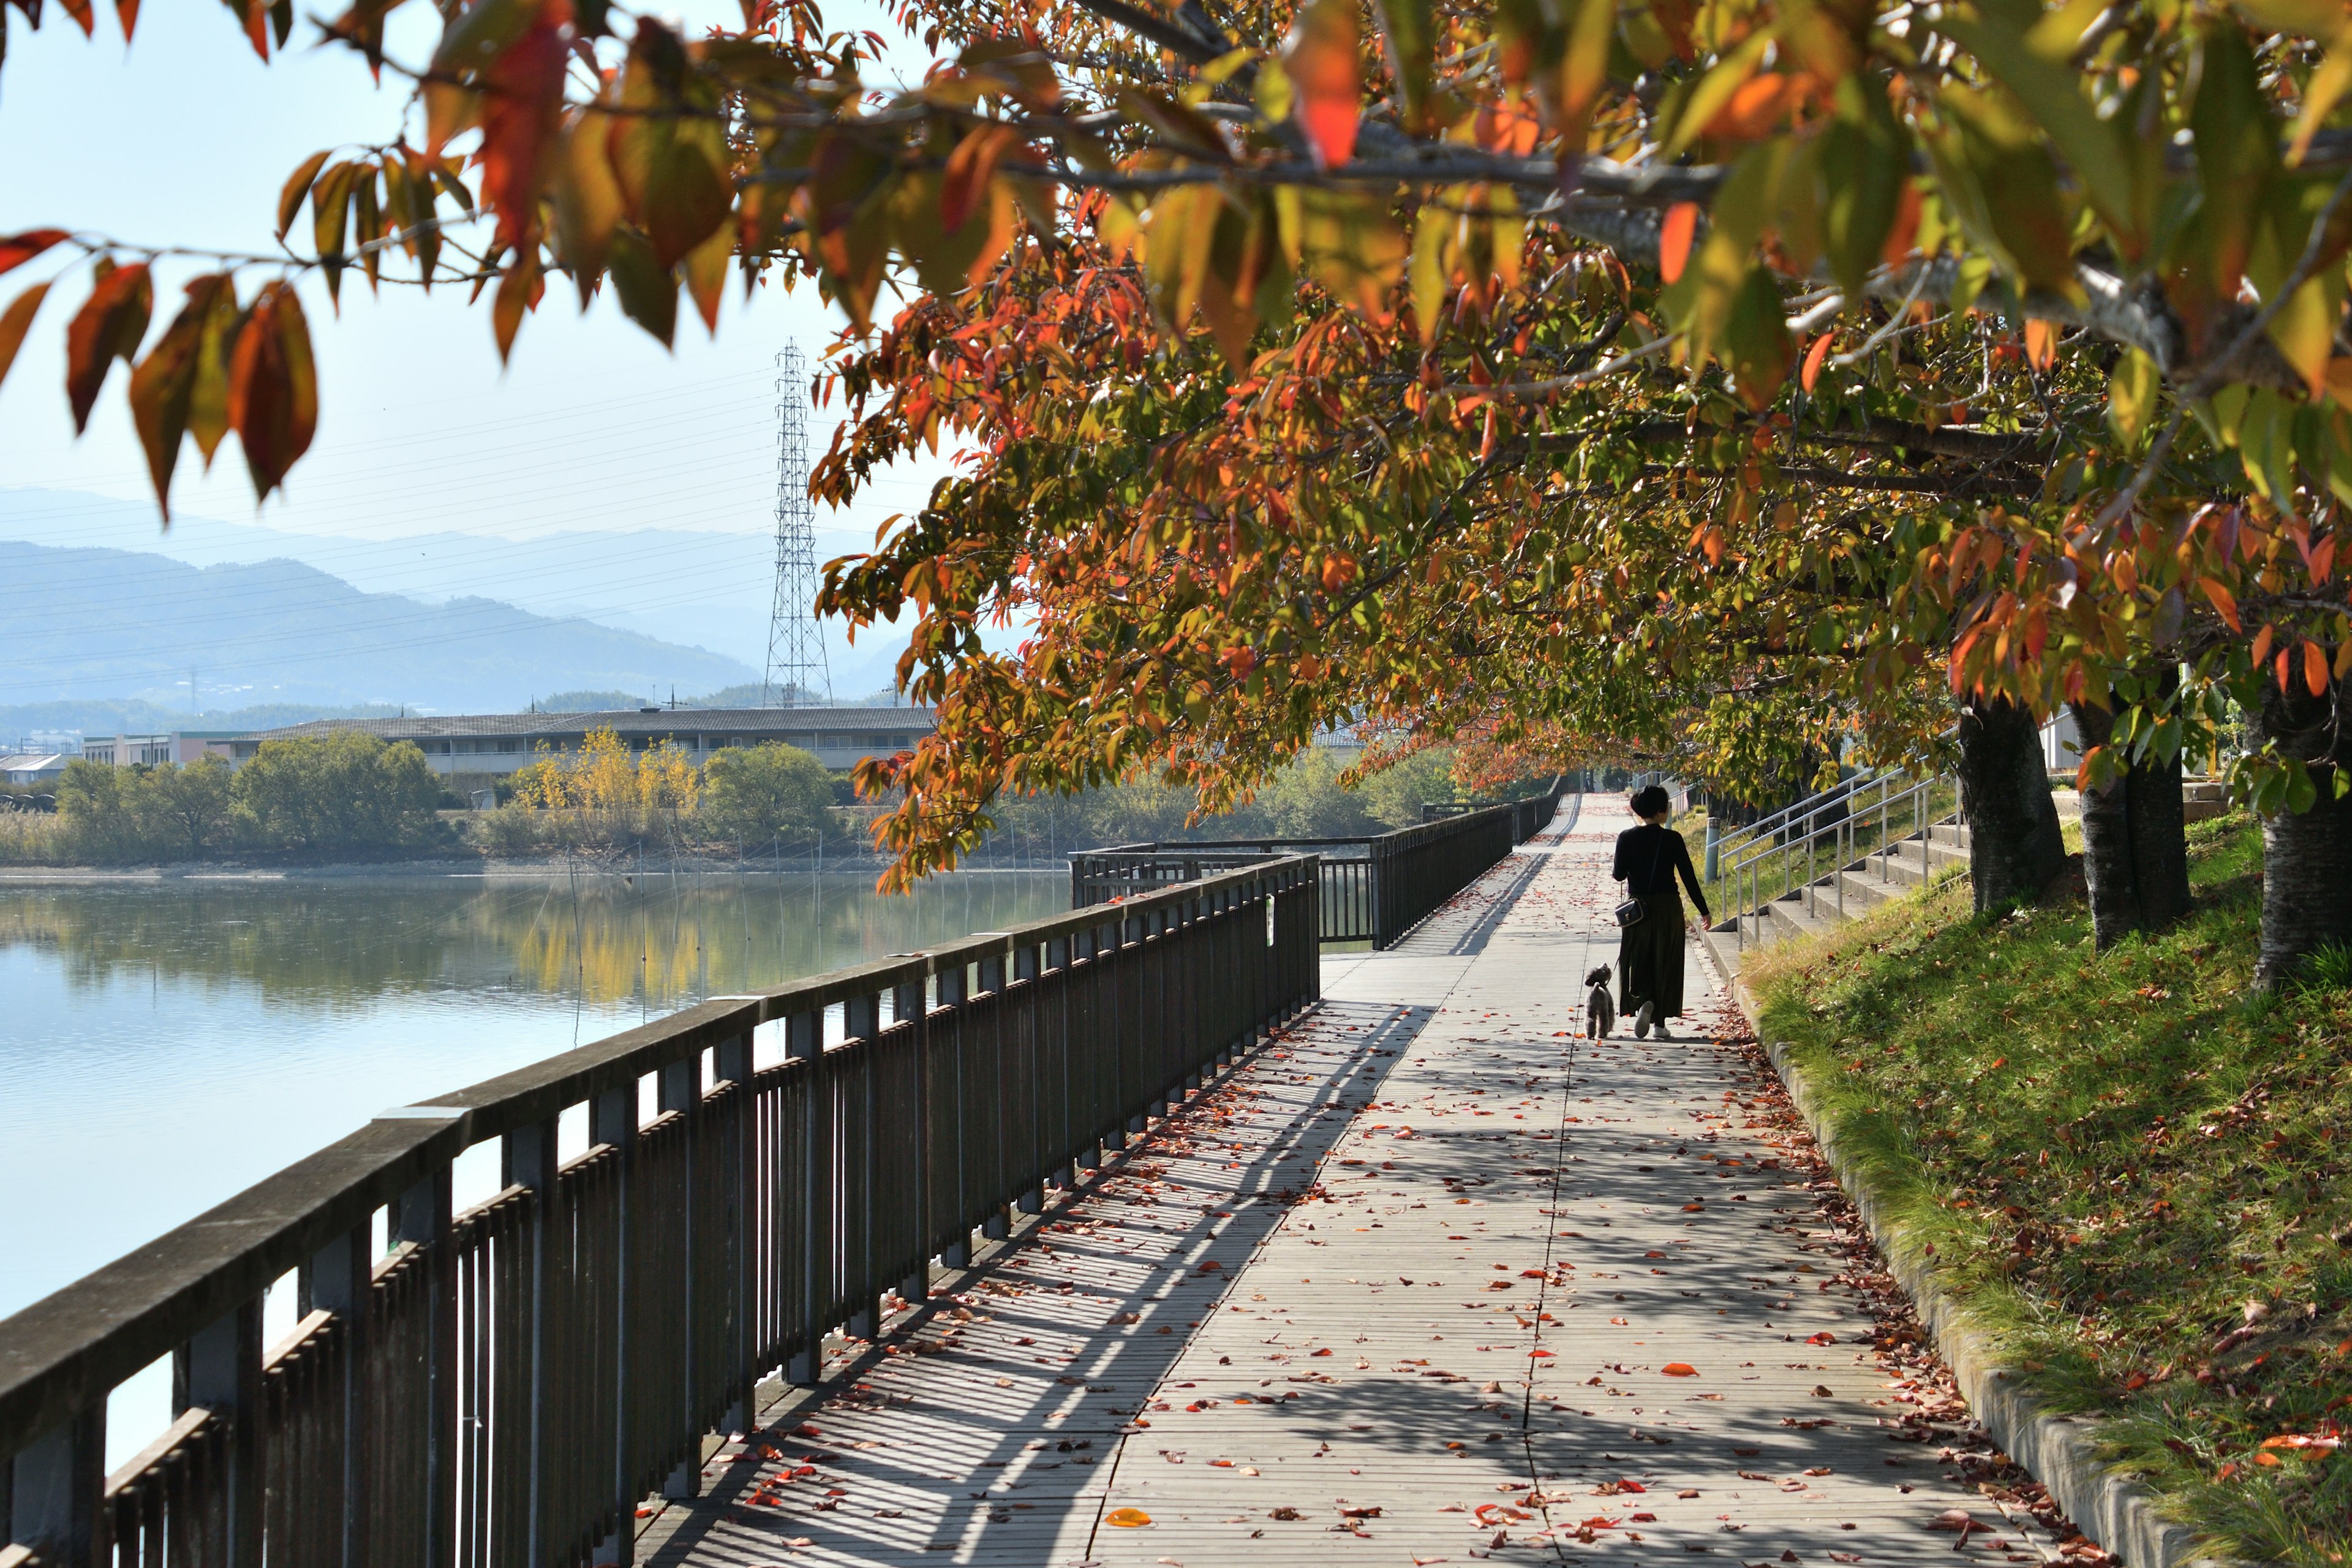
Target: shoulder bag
[{"x": 1630, "y": 913}]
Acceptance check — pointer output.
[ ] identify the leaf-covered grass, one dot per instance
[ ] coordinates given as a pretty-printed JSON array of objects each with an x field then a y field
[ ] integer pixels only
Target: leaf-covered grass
[{"x": 2133, "y": 1170}]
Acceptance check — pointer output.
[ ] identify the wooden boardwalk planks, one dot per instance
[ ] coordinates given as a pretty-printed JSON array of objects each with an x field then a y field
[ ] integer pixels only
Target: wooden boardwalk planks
[{"x": 1451, "y": 1348}]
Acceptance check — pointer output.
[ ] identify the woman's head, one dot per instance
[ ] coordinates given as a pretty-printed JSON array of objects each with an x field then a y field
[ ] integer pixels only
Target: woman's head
[{"x": 1650, "y": 800}]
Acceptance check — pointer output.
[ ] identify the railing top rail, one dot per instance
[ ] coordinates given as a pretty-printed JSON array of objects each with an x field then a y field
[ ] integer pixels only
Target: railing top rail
[
  {"x": 1276, "y": 843},
  {"x": 1759, "y": 853},
  {"x": 1794, "y": 833},
  {"x": 73, "y": 1345},
  {"x": 1819, "y": 799}
]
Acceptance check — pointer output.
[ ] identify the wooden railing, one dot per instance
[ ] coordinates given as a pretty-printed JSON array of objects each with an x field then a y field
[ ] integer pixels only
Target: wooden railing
[
  {"x": 1373, "y": 889},
  {"x": 504, "y": 1384}
]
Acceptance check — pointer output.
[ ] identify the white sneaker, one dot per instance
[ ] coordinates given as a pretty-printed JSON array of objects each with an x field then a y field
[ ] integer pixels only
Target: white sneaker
[{"x": 1642, "y": 1021}]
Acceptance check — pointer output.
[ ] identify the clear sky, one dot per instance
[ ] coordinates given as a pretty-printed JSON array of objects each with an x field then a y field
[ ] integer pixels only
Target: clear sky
[{"x": 186, "y": 138}]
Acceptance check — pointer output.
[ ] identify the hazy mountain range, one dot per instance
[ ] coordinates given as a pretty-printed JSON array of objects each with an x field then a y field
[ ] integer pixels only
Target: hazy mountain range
[
  {"x": 279, "y": 627},
  {"x": 105, "y": 623}
]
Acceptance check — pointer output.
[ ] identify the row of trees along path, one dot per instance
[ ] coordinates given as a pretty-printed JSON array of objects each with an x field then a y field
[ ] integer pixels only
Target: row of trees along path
[
  {"x": 1740, "y": 384},
  {"x": 1432, "y": 1278}
]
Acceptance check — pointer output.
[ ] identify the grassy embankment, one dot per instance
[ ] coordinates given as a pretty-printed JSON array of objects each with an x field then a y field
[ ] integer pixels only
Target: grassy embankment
[{"x": 2133, "y": 1170}]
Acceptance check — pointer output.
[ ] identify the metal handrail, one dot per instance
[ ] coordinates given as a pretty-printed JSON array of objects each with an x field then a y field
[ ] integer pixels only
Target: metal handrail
[
  {"x": 504, "y": 1383},
  {"x": 1763, "y": 863},
  {"x": 1732, "y": 839},
  {"x": 1374, "y": 888}
]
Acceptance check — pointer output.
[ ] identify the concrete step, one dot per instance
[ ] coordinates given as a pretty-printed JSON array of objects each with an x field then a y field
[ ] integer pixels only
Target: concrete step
[
  {"x": 1722, "y": 944},
  {"x": 1954, "y": 834},
  {"x": 1865, "y": 890},
  {"x": 1911, "y": 863},
  {"x": 1790, "y": 916}
]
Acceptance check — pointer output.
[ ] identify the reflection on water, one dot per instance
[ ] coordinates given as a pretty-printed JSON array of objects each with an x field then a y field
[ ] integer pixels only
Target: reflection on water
[{"x": 164, "y": 1046}]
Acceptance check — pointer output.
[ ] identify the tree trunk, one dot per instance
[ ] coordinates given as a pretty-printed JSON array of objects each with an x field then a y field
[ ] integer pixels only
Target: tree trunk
[
  {"x": 2135, "y": 843},
  {"x": 2307, "y": 856},
  {"x": 2014, "y": 846}
]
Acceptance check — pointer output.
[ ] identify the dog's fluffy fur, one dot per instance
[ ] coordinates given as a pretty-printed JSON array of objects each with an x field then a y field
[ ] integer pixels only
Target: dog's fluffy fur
[{"x": 1600, "y": 1011}]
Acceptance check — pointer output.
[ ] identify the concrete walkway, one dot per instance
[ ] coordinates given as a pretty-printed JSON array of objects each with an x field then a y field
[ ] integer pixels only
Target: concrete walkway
[{"x": 1433, "y": 1280}]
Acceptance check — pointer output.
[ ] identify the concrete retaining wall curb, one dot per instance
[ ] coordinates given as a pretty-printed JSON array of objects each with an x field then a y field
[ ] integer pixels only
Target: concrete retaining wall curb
[{"x": 2061, "y": 1451}]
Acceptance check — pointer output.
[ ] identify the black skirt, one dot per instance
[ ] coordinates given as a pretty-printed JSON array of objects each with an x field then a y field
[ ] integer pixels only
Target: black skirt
[{"x": 1650, "y": 958}]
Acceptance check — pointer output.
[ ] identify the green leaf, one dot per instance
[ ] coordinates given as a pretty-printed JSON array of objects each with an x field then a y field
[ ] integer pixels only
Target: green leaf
[
  {"x": 588, "y": 201},
  {"x": 1714, "y": 91},
  {"x": 329, "y": 210},
  {"x": 669, "y": 149},
  {"x": 297, "y": 186},
  {"x": 1865, "y": 156},
  {"x": 2237, "y": 154},
  {"x": 1756, "y": 339},
  {"x": 163, "y": 384},
  {"x": 2131, "y": 396},
  {"x": 2003, "y": 187},
  {"x": 2097, "y": 149},
  {"x": 1409, "y": 40},
  {"x": 1350, "y": 242},
  {"x": 648, "y": 291}
]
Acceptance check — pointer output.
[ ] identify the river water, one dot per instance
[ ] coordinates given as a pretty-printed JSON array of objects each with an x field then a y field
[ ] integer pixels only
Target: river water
[{"x": 164, "y": 1046}]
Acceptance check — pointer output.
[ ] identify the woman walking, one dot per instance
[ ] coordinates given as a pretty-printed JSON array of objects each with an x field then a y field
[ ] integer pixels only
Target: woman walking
[{"x": 1650, "y": 953}]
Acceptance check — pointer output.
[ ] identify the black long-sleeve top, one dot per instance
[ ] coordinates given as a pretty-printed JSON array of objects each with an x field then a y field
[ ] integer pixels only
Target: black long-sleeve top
[{"x": 1648, "y": 861}]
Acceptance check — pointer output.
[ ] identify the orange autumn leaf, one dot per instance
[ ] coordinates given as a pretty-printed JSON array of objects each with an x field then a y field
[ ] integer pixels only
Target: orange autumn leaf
[
  {"x": 1679, "y": 1369},
  {"x": 1128, "y": 1518},
  {"x": 1814, "y": 356},
  {"x": 1674, "y": 240},
  {"x": 2041, "y": 343},
  {"x": 1321, "y": 65},
  {"x": 2314, "y": 669}
]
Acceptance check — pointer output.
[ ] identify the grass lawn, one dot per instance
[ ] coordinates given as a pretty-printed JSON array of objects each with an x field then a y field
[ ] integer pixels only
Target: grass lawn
[{"x": 2137, "y": 1173}]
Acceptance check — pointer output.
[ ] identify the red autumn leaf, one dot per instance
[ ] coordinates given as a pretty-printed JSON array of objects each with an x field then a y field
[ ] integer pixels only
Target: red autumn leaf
[
  {"x": 273, "y": 388},
  {"x": 16, "y": 250},
  {"x": 80, "y": 10},
  {"x": 521, "y": 115},
  {"x": 1321, "y": 65},
  {"x": 1674, "y": 242},
  {"x": 964, "y": 188},
  {"x": 106, "y": 328},
  {"x": 2314, "y": 669}
]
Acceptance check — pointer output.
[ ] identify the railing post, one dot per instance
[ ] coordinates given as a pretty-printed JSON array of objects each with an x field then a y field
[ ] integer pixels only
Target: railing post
[
  {"x": 527, "y": 1154},
  {"x": 56, "y": 1491},
  {"x": 219, "y": 1369},
  {"x": 910, "y": 1003},
  {"x": 862, "y": 1022},
  {"x": 805, "y": 1041},
  {"x": 998, "y": 1223},
  {"x": 1026, "y": 967},
  {"x": 954, "y": 991},
  {"x": 338, "y": 1280},
  {"x": 612, "y": 1121},
  {"x": 423, "y": 1218},
  {"x": 679, "y": 1089},
  {"x": 731, "y": 1064}
]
